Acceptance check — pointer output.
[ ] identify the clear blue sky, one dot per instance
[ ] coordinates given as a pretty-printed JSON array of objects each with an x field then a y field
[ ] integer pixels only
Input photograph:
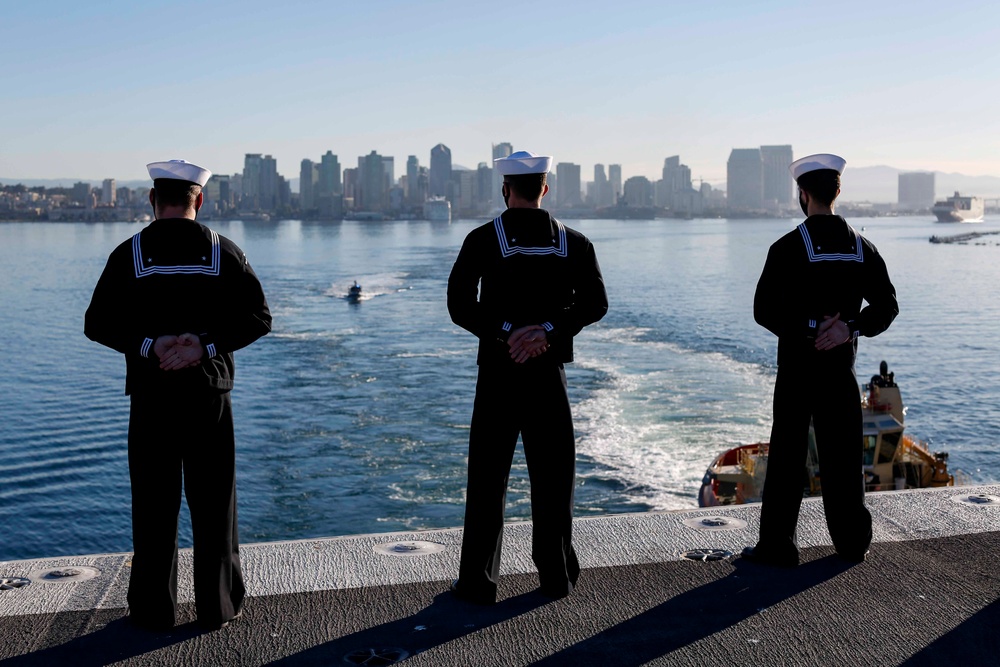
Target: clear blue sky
[{"x": 97, "y": 90}]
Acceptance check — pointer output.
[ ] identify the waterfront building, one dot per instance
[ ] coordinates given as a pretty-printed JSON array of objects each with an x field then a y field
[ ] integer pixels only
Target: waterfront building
[
  {"x": 211, "y": 192},
  {"x": 283, "y": 196},
  {"x": 108, "y": 193},
  {"x": 235, "y": 188},
  {"x": 745, "y": 180},
  {"x": 916, "y": 190},
  {"x": 603, "y": 195},
  {"x": 638, "y": 192},
  {"x": 440, "y": 173},
  {"x": 664, "y": 189},
  {"x": 568, "y": 175},
  {"x": 252, "y": 168},
  {"x": 463, "y": 192},
  {"x": 388, "y": 173},
  {"x": 615, "y": 179},
  {"x": 423, "y": 185},
  {"x": 412, "y": 170},
  {"x": 269, "y": 184},
  {"x": 778, "y": 190},
  {"x": 329, "y": 182},
  {"x": 485, "y": 178},
  {"x": 218, "y": 194},
  {"x": 371, "y": 192},
  {"x": 308, "y": 178},
  {"x": 501, "y": 150},
  {"x": 80, "y": 192},
  {"x": 350, "y": 188},
  {"x": 123, "y": 197}
]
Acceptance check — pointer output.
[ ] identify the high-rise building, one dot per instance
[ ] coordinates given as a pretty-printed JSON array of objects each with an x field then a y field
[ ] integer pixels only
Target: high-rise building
[
  {"x": 615, "y": 180},
  {"x": 638, "y": 192},
  {"x": 568, "y": 176},
  {"x": 350, "y": 188},
  {"x": 328, "y": 183},
  {"x": 484, "y": 187},
  {"x": 777, "y": 180},
  {"x": 501, "y": 150},
  {"x": 80, "y": 192},
  {"x": 253, "y": 165},
  {"x": 745, "y": 180},
  {"x": 440, "y": 172},
  {"x": 371, "y": 192},
  {"x": 270, "y": 190},
  {"x": 389, "y": 172},
  {"x": 412, "y": 170},
  {"x": 463, "y": 191},
  {"x": 108, "y": 193},
  {"x": 423, "y": 184},
  {"x": 308, "y": 178},
  {"x": 916, "y": 190},
  {"x": 603, "y": 194}
]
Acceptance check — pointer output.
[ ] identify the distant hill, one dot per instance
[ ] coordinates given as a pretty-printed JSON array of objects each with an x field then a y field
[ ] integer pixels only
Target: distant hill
[{"x": 881, "y": 184}]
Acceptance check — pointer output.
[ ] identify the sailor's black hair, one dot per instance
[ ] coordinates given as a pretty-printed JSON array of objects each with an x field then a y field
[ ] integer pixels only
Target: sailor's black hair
[
  {"x": 174, "y": 192},
  {"x": 527, "y": 186},
  {"x": 822, "y": 184}
]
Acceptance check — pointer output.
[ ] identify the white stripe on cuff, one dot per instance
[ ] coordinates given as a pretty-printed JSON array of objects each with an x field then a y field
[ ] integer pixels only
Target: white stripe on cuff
[
  {"x": 210, "y": 350},
  {"x": 547, "y": 326},
  {"x": 146, "y": 346}
]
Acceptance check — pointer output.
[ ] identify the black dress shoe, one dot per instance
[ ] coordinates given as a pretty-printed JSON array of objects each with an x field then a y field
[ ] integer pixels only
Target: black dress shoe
[
  {"x": 555, "y": 594},
  {"x": 854, "y": 558},
  {"x": 459, "y": 592},
  {"x": 756, "y": 555},
  {"x": 213, "y": 625},
  {"x": 150, "y": 624}
]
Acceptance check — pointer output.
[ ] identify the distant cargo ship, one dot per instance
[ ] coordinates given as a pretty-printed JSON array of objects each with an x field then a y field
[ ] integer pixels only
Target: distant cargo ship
[
  {"x": 437, "y": 209},
  {"x": 959, "y": 209}
]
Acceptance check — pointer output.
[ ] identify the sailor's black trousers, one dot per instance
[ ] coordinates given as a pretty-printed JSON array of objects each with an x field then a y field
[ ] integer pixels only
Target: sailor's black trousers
[
  {"x": 189, "y": 436},
  {"x": 825, "y": 390},
  {"x": 530, "y": 400}
]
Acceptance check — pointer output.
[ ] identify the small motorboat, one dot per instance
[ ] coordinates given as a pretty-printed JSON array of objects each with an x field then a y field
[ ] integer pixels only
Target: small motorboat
[{"x": 354, "y": 293}]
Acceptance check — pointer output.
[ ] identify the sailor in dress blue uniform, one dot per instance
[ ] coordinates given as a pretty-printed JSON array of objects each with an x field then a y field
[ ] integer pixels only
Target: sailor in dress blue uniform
[
  {"x": 525, "y": 285},
  {"x": 177, "y": 299},
  {"x": 810, "y": 295}
]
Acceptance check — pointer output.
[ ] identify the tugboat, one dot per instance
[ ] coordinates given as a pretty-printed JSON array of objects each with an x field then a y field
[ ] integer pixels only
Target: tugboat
[{"x": 891, "y": 460}]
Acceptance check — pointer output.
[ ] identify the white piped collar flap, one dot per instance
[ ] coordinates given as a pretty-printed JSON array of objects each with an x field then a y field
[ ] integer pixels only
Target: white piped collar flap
[
  {"x": 815, "y": 254},
  {"x": 508, "y": 248},
  {"x": 145, "y": 267}
]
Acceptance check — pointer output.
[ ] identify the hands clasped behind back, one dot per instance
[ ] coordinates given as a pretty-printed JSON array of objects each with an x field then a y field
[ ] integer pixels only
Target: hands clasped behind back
[
  {"x": 178, "y": 352},
  {"x": 527, "y": 342}
]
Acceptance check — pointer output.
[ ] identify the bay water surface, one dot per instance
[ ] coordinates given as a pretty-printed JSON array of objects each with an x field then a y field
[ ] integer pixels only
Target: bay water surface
[{"x": 353, "y": 417}]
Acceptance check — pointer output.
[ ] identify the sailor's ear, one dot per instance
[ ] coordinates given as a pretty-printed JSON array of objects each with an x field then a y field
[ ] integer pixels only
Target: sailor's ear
[
  {"x": 199, "y": 200},
  {"x": 152, "y": 197},
  {"x": 545, "y": 189}
]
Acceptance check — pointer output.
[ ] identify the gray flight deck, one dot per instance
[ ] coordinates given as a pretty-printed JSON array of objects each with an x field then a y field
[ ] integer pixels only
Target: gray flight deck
[{"x": 929, "y": 594}]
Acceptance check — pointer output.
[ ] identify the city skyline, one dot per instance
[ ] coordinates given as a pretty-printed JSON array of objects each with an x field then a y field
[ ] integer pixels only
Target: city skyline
[{"x": 96, "y": 92}]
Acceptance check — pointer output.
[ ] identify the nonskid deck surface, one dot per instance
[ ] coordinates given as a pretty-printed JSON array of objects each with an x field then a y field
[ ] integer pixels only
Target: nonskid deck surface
[{"x": 929, "y": 593}]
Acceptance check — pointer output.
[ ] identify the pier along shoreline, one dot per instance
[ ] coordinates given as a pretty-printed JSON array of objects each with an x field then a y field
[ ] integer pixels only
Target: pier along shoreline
[{"x": 928, "y": 594}]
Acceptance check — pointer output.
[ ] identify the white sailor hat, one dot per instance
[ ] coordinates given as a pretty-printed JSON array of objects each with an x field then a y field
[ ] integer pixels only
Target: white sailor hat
[
  {"x": 523, "y": 162},
  {"x": 180, "y": 170},
  {"x": 818, "y": 161}
]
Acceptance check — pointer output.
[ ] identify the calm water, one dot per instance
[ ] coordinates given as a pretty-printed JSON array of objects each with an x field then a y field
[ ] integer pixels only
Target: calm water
[{"x": 354, "y": 417}]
